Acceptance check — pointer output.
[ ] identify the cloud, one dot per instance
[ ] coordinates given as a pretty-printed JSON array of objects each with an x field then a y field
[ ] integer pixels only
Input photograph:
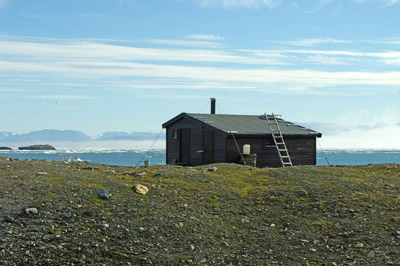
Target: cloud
[
  {"x": 316, "y": 41},
  {"x": 206, "y": 37},
  {"x": 240, "y": 3},
  {"x": 188, "y": 43},
  {"x": 362, "y": 139},
  {"x": 392, "y": 2},
  {"x": 266, "y": 71},
  {"x": 370, "y": 127},
  {"x": 385, "y": 3},
  {"x": 279, "y": 80},
  {"x": 99, "y": 51}
]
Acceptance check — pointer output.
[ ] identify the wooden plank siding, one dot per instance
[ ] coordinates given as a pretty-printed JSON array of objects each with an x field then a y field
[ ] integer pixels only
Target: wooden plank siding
[
  {"x": 219, "y": 148},
  {"x": 196, "y": 142},
  {"x": 196, "y": 145},
  {"x": 302, "y": 150},
  {"x": 173, "y": 147},
  {"x": 208, "y": 144}
]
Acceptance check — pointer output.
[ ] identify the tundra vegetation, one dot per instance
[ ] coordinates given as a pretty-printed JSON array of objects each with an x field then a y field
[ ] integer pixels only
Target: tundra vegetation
[{"x": 77, "y": 213}]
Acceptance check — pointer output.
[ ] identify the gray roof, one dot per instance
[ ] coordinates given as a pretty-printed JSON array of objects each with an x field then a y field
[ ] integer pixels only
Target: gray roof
[{"x": 250, "y": 124}]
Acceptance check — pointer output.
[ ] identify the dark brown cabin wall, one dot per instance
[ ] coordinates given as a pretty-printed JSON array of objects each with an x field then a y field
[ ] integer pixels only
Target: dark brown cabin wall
[
  {"x": 172, "y": 147},
  {"x": 196, "y": 141},
  {"x": 266, "y": 156},
  {"x": 196, "y": 145},
  {"x": 219, "y": 148},
  {"x": 302, "y": 150},
  {"x": 232, "y": 154}
]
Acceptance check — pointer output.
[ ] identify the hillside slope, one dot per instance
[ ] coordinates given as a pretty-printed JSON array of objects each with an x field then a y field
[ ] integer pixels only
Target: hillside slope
[{"x": 236, "y": 215}]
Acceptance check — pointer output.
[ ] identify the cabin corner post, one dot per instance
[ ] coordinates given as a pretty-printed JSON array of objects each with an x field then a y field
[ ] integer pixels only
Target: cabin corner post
[
  {"x": 166, "y": 145},
  {"x": 315, "y": 151}
]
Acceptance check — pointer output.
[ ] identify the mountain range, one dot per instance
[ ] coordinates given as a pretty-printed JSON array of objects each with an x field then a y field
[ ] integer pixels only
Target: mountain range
[
  {"x": 77, "y": 136},
  {"x": 73, "y": 136}
]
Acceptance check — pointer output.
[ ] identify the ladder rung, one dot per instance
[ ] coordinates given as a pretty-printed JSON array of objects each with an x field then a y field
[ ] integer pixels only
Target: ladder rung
[{"x": 278, "y": 139}]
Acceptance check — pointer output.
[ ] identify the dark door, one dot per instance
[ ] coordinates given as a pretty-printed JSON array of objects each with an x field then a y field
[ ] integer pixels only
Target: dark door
[
  {"x": 184, "y": 146},
  {"x": 208, "y": 147}
]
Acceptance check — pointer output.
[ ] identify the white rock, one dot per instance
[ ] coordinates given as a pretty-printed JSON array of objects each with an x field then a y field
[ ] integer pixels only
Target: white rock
[
  {"x": 31, "y": 211},
  {"x": 42, "y": 173},
  {"x": 141, "y": 189}
]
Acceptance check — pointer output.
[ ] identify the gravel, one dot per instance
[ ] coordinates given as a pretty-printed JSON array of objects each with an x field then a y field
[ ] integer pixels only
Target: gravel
[{"x": 195, "y": 216}]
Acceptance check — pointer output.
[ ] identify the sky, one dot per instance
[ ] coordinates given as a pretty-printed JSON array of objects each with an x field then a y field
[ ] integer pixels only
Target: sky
[{"x": 130, "y": 65}]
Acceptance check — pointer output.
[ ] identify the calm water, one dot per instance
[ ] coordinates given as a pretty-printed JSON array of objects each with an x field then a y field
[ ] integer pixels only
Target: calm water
[
  {"x": 358, "y": 157},
  {"x": 132, "y": 158},
  {"x": 121, "y": 158}
]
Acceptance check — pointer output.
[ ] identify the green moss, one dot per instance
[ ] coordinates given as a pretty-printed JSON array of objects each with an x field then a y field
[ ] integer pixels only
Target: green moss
[
  {"x": 212, "y": 202},
  {"x": 95, "y": 199}
]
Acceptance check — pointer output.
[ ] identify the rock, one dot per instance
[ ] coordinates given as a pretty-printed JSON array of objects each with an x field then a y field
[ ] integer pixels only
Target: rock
[
  {"x": 88, "y": 168},
  {"x": 9, "y": 219},
  {"x": 178, "y": 225},
  {"x": 345, "y": 235},
  {"x": 5, "y": 148},
  {"x": 141, "y": 174},
  {"x": 130, "y": 173},
  {"x": 31, "y": 211},
  {"x": 301, "y": 193},
  {"x": 41, "y": 173},
  {"x": 110, "y": 172},
  {"x": 396, "y": 233},
  {"x": 359, "y": 245},
  {"x": 141, "y": 189},
  {"x": 212, "y": 169},
  {"x": 37, "y": 148},
  {"x": 225, "y": 244},
  {"x": 66, "y": 215},
  {"x": 371, "y": 254},
  {"x": 104, "y": 194}
]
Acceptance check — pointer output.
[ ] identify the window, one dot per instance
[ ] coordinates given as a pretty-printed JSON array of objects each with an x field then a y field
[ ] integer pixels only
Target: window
[
  {"x": 174, "y": 134},
  {"x": 269, "y": 142}
]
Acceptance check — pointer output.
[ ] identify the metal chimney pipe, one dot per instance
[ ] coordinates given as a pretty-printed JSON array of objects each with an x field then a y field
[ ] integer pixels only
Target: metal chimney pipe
[{"x": 213, "y": 106}]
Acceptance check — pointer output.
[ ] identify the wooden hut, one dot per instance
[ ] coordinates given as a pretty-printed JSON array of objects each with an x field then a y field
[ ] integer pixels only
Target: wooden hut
[{"x": 196, "y": 139}]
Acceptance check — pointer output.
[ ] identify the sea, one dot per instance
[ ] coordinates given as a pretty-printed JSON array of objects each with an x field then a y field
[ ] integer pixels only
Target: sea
[{"x": 137, "y": 157}]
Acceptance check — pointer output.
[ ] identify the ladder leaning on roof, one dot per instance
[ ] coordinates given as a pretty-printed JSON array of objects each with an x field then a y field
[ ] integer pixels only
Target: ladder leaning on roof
[{"x": 278, "y": 140}]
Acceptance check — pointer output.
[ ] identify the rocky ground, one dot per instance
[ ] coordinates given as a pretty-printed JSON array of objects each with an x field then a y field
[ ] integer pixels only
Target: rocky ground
[{"x": 57, "y": 213}]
